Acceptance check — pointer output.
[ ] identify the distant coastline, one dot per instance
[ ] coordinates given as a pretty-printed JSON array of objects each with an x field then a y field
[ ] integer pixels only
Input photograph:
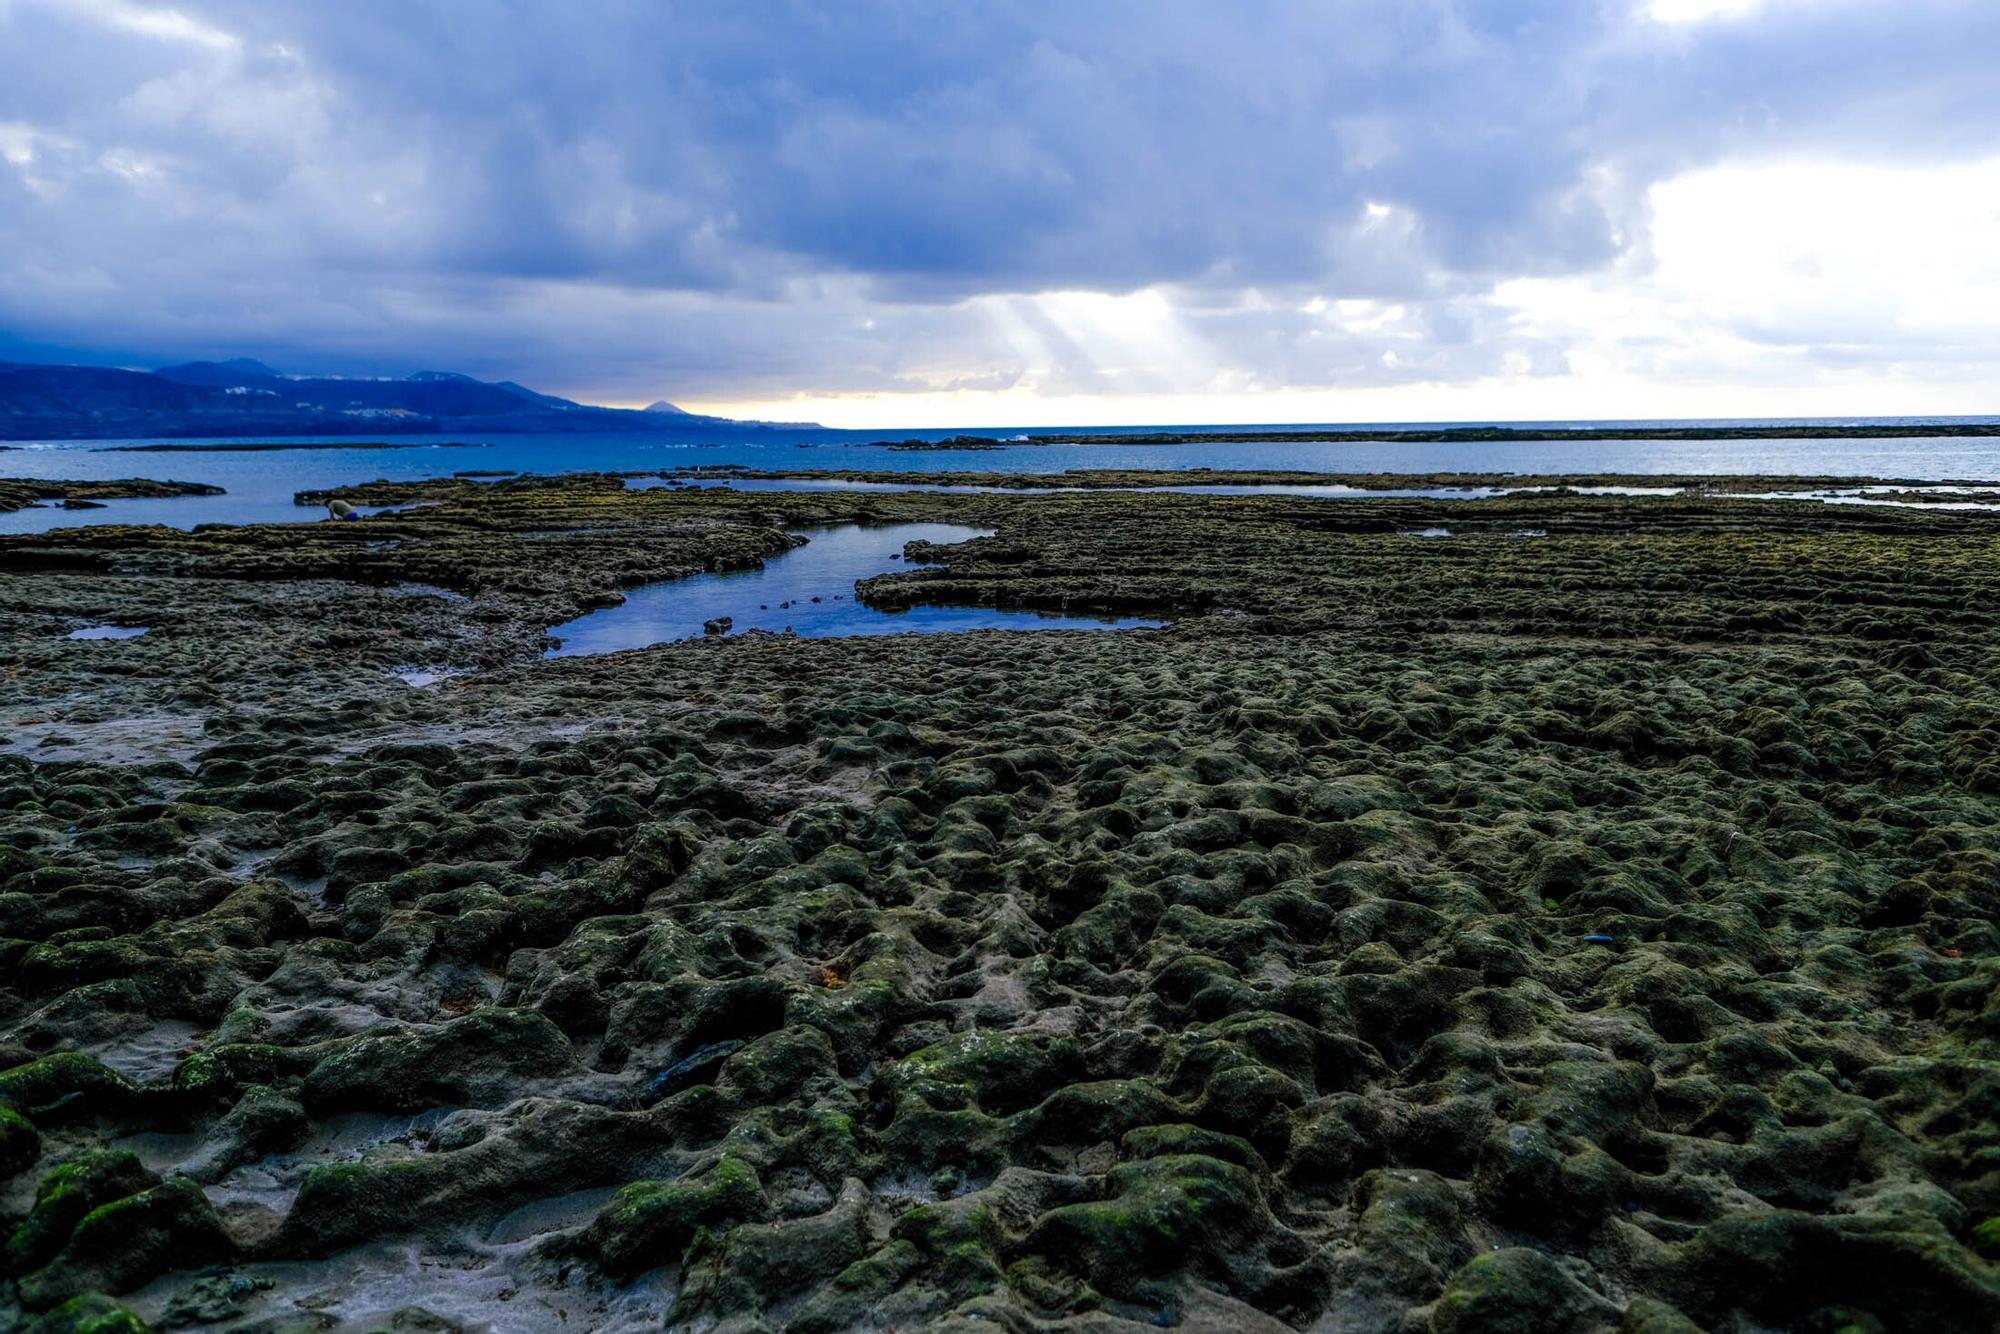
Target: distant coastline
[
  {"x": 1459, "y": 434},
  {"x": 242, "y": 397}
]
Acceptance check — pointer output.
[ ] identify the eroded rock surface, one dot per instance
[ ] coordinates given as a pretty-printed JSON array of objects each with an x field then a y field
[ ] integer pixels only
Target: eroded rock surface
[{"x": 1593, "y": 932}]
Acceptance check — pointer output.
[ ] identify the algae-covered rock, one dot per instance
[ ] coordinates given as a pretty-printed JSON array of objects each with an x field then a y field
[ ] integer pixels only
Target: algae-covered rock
[
  {"x": 866, "y": 1291},
  {"x": 63, "y": 1086},
  {"x": 121, "y": 1245},
  {"x": 1782, "y": 1261},
  {"x": 996, "y": 1071},
  {"x": 481, "y": 1058},
  {"x": 91, "y": 1313},
  {"x": 262, "y": 1121},
  {"x": 651, "y": 1223},
  {"x": 1412, "y": 1227},
  {"x": 758, "y": 1265},
  {"x": 1517, "y": 1290},
  {"x": 1590, "y": 932},
  {"x": 65, "y": 1196},
  {"x": 225, "y": 1071},
  {"x": 20, "y": 1144},
  {"x": 1158, "y": 1215},
  {"x": 1649, "y": 1315}
]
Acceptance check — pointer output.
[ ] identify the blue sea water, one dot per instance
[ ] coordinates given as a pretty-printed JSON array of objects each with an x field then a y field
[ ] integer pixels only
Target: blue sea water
[
  {"x": 809, "y": 592},
  {"x": 260, "y": 486}
]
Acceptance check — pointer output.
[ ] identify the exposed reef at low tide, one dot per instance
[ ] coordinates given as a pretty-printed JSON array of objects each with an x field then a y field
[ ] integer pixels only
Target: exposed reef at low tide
[
  {"x": 1591, "y": 931},
  {"x": 1093, "y": 479},
  {"x": 17, "y": 493}
]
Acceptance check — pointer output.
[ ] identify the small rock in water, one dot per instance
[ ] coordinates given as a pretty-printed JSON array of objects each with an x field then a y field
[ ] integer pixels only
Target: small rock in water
[
  {"x": 213, "y": 1298},
  {"x": 719, "y": 626}
]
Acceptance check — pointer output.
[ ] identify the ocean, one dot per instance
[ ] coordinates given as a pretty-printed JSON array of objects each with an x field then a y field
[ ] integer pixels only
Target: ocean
[{"x": 260, "y": 485}]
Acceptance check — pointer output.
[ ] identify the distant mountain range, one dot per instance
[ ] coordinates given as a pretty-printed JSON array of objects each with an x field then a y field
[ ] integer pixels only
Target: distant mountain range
[{"x": 244, "y": 397}]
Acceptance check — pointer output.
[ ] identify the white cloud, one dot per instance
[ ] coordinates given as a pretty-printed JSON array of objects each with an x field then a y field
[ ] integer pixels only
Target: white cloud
[
  {"x": 162, "y": 22},
  {"x": 1842, "y": 249},
  {"x": 1696, "y": 11},
  {"x": 1775, "y": 273}
]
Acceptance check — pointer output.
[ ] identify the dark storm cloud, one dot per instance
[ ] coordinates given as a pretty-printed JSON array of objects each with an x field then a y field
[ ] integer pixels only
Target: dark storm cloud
[{"x": 740, "y": 199}]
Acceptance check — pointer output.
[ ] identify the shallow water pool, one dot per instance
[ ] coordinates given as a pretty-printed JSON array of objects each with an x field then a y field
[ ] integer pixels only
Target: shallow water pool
[
  {"x": 108, "y": 632},
  {"x": 808, "y": 591}
]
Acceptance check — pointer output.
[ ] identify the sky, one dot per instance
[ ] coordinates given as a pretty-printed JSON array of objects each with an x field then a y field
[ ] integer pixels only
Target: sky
[{"x": 891, "y": 213}]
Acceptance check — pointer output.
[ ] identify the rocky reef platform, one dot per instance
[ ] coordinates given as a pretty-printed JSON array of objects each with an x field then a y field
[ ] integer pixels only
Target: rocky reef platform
[
  {"x": 1583, "y": 919},
  {"x": 19, "y": 494}
]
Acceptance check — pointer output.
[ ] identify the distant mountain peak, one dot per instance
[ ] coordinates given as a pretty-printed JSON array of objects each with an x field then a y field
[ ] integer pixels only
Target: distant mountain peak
[
  {"x": 250, "y": 366},
  {"x": 203, "y": 372},
  {"x": 661, "y": 405}
]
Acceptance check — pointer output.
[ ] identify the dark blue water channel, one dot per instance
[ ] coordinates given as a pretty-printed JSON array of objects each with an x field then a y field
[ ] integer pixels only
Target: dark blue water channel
[{"x": 808, "y": 591}]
